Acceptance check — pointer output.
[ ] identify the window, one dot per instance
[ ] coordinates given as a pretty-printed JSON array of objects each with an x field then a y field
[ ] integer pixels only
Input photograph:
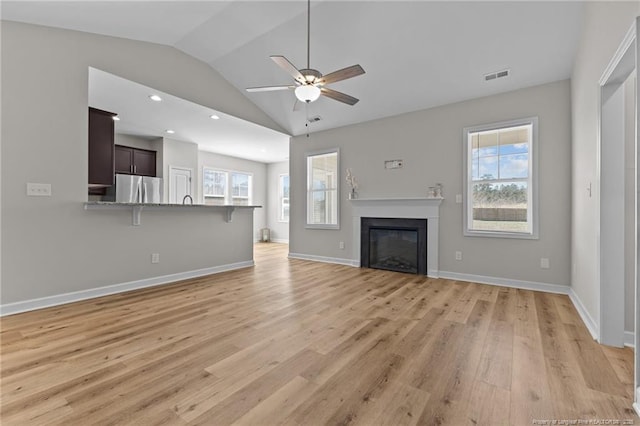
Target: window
[
  {"x": 500, "y": 185},
  {"x": 322, "y": 190},
  {"x": 215, "y": 183},
  {"x": 225, "y": 187},
  {"x": 283, "y": 194},
  {"x": 240, "y": 187}
]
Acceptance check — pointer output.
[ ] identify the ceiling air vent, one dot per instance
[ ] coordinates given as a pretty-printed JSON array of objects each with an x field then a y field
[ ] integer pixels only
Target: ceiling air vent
[
  {"x": 315, "y": 119},
  {"x": 497, "y": 74}
]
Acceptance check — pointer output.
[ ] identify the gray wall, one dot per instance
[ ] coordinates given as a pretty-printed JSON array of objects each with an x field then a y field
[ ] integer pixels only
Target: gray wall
[
  {"x": 279, "y": 230},
  {"x": 259, "y": 171},
  {"x": 430, "y": 143},
  {"x": 605, "y": 25},
  {"x": 630, "y": 201},
  {"x": 51, "y": 245}
]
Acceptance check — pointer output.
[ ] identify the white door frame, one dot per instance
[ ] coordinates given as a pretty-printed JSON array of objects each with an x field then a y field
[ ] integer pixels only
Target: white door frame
[{"x": 611, "y": 180}]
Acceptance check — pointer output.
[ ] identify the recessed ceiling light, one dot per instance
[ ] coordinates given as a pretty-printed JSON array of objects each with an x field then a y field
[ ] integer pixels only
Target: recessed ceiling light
[
  {"x": 116, "y": 118},
  {"x": 170, "y": 131},
  {"x": 215, "y": 117},
  {"x": 263, "y": 150},
  {"x": 155, "y": 98}
]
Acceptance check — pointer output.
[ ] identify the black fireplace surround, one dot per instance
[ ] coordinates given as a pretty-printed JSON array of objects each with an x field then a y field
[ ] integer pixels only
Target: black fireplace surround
[{"x": 394, "y": 244}]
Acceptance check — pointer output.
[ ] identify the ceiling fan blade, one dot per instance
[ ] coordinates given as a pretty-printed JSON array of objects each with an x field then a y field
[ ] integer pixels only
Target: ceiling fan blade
[
  {"x": 343, "y": 74},
  {"x": 338, "y": 96},
  {"x": 288, "y": 67},
  {"x": 269, "y": 88}
]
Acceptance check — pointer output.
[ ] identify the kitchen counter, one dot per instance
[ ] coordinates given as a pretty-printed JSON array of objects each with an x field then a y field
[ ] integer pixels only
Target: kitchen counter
[{"x": 136, "y": 208}]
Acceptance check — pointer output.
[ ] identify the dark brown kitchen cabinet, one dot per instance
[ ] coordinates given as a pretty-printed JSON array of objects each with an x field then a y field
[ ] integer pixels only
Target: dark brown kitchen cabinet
[
  {"x": 101, "y": 152},
  {"x": 134, "y": 161}
]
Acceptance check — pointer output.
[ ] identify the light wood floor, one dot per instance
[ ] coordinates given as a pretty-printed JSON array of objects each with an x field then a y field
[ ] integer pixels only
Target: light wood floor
[{"x": 296, "y": 342}]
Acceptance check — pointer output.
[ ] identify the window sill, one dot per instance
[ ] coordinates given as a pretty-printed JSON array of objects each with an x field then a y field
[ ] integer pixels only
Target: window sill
[
  {"x": 497, "y": 234},
  {"x": 313, "y": 226}
]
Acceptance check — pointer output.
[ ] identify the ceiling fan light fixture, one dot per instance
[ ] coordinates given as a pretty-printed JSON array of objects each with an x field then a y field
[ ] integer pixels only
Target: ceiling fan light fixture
[{"x": 307, "y": 93}]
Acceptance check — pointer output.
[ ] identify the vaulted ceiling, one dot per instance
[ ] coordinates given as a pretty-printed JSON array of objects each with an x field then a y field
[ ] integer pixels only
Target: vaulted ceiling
[{"x": 416, "y": 54}]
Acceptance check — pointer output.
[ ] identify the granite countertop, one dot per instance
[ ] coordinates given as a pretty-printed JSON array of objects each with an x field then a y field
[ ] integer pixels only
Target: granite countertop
[{"x": 117, "y": 204}]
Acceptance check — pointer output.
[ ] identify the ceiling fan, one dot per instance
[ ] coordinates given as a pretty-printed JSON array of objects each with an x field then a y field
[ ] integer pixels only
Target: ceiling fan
[{"x": 309, "y": 83}]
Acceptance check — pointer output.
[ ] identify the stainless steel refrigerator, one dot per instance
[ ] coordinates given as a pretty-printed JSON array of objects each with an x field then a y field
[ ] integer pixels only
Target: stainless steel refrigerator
[{"x": 138, "y": 189}]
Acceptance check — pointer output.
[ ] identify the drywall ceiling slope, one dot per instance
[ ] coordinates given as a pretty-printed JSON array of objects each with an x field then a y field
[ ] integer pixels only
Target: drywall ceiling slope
[
  {"x": 140, "y": 116},
  {"x": 416, "y": 54}
]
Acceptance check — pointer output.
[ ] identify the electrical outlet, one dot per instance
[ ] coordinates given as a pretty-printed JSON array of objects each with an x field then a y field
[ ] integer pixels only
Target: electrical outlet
[
  {"x": 458, "y": 198},
  {"x": 39, "y": 189},
  {"x": 341, "y": 245},
  {"x": 544, "y": 263},
  {"x": 155, "y": 257},
  {"x": 458, "y": 255}
]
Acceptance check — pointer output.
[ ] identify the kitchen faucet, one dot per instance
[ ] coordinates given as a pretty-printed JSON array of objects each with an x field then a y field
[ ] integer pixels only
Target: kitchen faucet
[{"x": 185, "y": 199}]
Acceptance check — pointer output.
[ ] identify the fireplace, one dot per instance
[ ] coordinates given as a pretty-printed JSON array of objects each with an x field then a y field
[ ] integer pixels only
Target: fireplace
[{"x": 394, "y": 244}]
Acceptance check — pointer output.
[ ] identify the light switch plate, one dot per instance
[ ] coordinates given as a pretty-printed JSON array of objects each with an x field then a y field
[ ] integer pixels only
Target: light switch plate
[
  {"x": 39, "y": 189},
  {"x": 393, "y": 164}
]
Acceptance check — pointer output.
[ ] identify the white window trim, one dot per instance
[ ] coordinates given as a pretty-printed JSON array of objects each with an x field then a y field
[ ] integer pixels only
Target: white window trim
[
  {"x": 338, "y": 180},
  {"x": 281, "y": 198},
  {"x": 532, "y": 213}
]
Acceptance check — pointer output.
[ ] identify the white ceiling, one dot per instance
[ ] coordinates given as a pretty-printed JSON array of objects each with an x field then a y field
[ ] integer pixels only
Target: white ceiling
[
  {"x": 416, "y": 54},
  {"x": 140, "y": 116}
]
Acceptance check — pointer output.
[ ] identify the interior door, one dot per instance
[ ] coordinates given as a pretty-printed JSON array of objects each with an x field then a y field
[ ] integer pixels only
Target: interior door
[{"x": 179, "y": 184}]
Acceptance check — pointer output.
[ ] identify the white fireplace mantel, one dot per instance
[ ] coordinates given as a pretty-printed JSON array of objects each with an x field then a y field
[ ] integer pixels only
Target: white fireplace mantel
[{"x": 403, "y": 208}]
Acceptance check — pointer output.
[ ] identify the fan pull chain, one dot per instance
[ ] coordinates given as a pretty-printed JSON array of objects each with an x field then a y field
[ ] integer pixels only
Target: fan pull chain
[{"x": 306, "y": 108}]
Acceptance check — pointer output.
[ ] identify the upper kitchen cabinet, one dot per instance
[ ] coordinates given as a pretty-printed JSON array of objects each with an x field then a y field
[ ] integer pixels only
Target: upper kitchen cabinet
[
  {"x": 135, "y": 161},
  {"x": 101, "y": 151}
]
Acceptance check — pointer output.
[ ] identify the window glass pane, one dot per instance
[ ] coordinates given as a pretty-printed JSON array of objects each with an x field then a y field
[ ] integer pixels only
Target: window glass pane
[
  {"x": 239, "y": 185},
  {"x": 285, "y": 186},
  {"x": 284, "y": 198},
  {"x": 514, "y": 148},
  {"x": 319, "y": 207},
  {"x": 514, "y": 166},
  {"x": 487, "y": 144},
  {"x": 500, "y": 207},
  {"x": 284, "y": 213},
  {"x": 214, "y": 182},
  {"x": 514, "y": 140},
  {"x": 485, "y": 168},
  {"x": 322, "y": 189},
  {"x": 323, "y": 169}
]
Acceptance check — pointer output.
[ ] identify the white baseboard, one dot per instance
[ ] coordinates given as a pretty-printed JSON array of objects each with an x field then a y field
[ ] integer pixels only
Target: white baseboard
[
  {"x": 536, "y": 286},
  {"x": 630, "y": 339},
  {"x": 336, "y": 260},
  {"x": 505, "y": 282},
  {"x": 502, "y": 282},
  {"x": 273, "y": 240},
  {"x": 279, "y": 240},
  {"x": 588, "y": 321},
  {"x": 61, "y": 299}
]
